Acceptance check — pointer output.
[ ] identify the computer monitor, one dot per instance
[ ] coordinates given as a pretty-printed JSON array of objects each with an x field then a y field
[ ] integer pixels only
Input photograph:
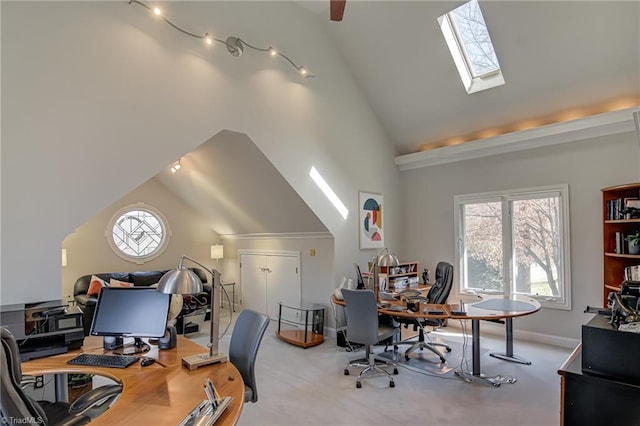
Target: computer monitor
[
  {"x": 359, "y": 277},
  {"x": 131, "y": 312}
]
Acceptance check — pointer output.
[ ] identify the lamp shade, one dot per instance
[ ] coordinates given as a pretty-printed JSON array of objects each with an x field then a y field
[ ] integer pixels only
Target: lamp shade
[
  {"x": 217, "y": 251},
  {"x": 388, "y": 260},
  {"x": 180, "y": 281}
]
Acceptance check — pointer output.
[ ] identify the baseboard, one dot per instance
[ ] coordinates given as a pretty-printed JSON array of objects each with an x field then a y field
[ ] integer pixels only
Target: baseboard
[
  {"x": 530, "y": 336},
  {"x": 498, "y": 330}
]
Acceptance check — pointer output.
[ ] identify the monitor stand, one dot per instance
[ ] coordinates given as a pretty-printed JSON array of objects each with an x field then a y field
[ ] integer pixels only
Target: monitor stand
[{"x": 138, "y": 346}]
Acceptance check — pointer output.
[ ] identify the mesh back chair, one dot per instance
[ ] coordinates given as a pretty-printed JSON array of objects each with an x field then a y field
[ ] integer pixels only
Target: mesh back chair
[
  {"x": 243, "y": 348},
  {"x": 18, "y": 408},
  {"x": 363, "y": 328},
  {"x": 437, "y": 294}
]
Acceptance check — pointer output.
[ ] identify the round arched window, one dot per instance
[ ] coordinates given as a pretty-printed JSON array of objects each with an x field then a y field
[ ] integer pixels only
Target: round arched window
[{"x": 138, "y": 233}]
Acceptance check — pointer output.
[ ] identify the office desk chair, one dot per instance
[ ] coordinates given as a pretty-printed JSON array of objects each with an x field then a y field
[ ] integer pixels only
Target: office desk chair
[
  {"x": 438, "y": 294},
  {"x": 243, "y": 348},
  {"x": 363, "y": 328},
  {"x": 17, "y": 407}
]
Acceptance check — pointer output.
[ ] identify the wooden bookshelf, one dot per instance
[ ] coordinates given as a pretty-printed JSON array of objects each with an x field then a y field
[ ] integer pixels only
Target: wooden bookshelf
[{"x": 614, "y": 262}]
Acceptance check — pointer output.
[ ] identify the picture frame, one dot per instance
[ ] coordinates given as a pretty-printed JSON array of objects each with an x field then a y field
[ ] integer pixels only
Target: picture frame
[{"x": 370, "y": 223}]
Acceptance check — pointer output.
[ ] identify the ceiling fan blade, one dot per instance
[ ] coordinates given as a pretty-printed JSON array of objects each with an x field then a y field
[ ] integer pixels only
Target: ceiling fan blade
[{"x": 337, "y": 9}]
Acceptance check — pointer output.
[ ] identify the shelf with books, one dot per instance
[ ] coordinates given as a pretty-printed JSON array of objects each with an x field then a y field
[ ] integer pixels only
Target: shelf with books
[
  {"x": 620, "y": 219},
  {"x": 401, "y": 276}
]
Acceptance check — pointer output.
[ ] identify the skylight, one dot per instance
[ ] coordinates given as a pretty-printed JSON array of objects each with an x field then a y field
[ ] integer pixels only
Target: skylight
[{"x": 470, "y": 45}]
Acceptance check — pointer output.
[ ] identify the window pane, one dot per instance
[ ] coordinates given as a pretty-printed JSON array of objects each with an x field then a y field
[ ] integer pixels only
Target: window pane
[
  {"x": 474, "y": 39},
  {"x": 482, "y": 235},
  {"x": 138, "y": 233},
  {"x": 536, "y": 246}
]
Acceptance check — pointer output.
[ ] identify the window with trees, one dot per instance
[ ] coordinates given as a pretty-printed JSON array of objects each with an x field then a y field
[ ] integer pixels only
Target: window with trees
[{"x": 516, "y": 242}]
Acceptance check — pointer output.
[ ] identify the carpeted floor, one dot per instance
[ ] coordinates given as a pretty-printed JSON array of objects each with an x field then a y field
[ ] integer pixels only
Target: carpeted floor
[{"x": 308, "y": 387}]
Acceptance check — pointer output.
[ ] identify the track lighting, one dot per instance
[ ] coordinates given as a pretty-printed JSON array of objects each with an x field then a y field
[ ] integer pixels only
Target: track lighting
[
  {"x": 176, "y": 166},
  {"x": 235, "y": 45}
]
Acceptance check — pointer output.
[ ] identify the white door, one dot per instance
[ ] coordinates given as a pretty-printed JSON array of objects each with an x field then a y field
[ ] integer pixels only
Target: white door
[
  {"x": 252, "y": 280},
  {"x": 270, "y": 278},
  {"x": 282, "y": 285}
]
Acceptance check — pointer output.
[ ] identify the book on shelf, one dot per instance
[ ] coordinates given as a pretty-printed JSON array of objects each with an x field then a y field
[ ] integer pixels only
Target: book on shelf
[
  {"x": 620, "y": 243},
  {"x": 632, "y": 273},
  {"x": 619, "y": 208}
]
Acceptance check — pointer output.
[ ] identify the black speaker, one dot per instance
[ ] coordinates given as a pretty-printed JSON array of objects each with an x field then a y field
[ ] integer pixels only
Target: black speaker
[
  {"x": 169, "y": 340},
  {"x": 112, "y": 342}
]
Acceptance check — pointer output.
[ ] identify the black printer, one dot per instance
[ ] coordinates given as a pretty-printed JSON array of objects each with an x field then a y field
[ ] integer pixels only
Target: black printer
[{"x": 43, "y": 328}]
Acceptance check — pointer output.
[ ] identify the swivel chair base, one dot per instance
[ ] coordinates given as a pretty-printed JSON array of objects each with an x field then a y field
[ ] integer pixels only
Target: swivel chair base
[
  {"x": 372, "y": 365},
  {"x": 423, "y": 344}
]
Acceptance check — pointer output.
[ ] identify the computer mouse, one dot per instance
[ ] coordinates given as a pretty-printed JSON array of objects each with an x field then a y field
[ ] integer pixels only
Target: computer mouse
[{"x": 146, "y": 361}]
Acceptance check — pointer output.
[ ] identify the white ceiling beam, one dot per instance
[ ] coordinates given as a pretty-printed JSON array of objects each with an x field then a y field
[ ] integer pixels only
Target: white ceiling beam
[{"x": 609, "y": 123}]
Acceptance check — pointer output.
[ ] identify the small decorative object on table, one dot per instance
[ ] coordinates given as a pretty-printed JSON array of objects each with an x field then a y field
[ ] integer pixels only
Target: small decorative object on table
[{"x": 425, "y": 276}]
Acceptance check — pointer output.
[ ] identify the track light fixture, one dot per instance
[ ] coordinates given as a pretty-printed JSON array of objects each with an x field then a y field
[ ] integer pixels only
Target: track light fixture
[
  {"x": 235, "y": 45},
  {"x": 176, "y": 166}
]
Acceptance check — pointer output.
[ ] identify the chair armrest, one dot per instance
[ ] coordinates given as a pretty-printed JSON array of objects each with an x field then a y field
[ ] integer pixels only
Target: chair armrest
[
  {"x": 84, "y": 300},
  {"x": 94, "y": 397}
]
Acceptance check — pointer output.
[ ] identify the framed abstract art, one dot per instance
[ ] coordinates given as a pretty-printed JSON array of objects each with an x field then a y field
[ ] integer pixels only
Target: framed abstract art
[{"x": 370, "y": 220}]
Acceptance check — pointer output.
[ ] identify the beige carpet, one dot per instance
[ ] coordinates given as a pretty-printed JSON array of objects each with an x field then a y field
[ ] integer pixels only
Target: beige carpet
[{"x": 307, "y": 387}]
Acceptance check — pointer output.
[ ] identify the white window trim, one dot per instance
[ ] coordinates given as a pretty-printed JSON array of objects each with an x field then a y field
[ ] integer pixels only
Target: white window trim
[
  {"x": 138, "y": 260},
  {"x": 505, "y": 197}
]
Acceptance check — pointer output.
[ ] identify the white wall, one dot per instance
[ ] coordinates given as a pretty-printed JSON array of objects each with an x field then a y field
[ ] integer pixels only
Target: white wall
[
  {"x": 97, "y": 98},
  {"x": 88, "y": 251},
  {"x": 586, "y": 166}
]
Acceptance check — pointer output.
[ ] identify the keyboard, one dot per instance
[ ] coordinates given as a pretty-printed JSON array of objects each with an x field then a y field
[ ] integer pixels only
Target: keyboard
[{"x": 96, "y": 360}]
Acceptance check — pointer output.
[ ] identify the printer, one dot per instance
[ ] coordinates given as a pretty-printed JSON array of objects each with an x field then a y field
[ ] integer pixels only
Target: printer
[{"x": 43, "y": 328}]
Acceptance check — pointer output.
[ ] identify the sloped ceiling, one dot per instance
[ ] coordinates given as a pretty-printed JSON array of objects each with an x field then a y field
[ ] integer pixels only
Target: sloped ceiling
[
  {"x": 229, "y": 180},
  {"x": 559, "y": 58}
]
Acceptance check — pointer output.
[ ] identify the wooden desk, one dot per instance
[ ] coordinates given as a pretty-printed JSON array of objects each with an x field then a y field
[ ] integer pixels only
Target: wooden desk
[
  {"x": 160, "y": 394},
  {"x": 480, "y": 310}
]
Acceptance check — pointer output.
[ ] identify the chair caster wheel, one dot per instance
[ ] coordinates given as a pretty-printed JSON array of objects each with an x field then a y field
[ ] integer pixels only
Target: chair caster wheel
[
  {"x": 392, "y": 384},
  {"x": 442, "y": 360},
  {"x": 346, "y": 372},
  {"x": 395, "y": 371},
  {"x": 448, "y": 349},
  {"x": 358, "y": 385}
]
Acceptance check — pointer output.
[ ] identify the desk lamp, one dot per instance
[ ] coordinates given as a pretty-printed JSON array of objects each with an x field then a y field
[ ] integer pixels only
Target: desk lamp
[
  {"x": 383, "y": 258},
  {"x": 185, "y": 281}
]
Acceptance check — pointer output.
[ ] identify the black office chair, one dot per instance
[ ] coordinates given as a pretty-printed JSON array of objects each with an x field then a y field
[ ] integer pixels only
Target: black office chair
[
  {"x": 437, "y": 294},
  {"x": 17, "y": 407},
  {"x": 243, "y": 348},
  {"x": 363, "y": 328}
]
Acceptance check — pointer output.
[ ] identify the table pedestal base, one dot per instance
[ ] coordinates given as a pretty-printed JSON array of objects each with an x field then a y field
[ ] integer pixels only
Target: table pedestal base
[
  {"x": 492, "y": 380},
  {"x": 510, "y": 358}
]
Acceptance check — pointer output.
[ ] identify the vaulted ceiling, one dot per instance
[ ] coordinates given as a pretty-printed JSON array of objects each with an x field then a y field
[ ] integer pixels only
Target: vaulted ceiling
[{"x": 560, "y": 60}]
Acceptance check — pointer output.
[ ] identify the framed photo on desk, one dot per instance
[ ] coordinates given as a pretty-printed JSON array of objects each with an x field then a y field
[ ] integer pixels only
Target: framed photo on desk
[{"x": 370, "y": 220}]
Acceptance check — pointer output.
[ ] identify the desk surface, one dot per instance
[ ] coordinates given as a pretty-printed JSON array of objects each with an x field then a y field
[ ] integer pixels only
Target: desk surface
[
  {"x": 482, "y": 307},
  {"x": 476, "y": 308},
  {"x": 162, "y": 393}
]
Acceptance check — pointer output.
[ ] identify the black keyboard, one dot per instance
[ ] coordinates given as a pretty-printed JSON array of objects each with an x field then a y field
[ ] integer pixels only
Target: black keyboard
[{"x": 95, "y": 360}]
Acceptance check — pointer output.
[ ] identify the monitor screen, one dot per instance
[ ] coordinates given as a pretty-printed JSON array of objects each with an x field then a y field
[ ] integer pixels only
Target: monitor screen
[{"x": 130, "y": 312}]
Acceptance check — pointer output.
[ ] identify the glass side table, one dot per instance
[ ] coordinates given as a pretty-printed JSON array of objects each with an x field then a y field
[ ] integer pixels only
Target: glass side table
[{"x": 301, "y": 325}]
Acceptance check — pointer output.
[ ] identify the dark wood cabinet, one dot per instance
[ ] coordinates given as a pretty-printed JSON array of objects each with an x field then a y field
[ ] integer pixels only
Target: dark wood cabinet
[
  {"x": 587, "y": 399},
  {"x": 616, "y": 256}
]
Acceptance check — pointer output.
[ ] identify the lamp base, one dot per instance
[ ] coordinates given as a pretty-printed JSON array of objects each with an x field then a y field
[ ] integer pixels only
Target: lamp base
[{"x": 196, "y": 361}]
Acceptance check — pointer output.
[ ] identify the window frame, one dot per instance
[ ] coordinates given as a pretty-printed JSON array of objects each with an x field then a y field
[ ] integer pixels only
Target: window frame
[
  {"x": 506, "y": 197},
  {"x": 164, "y": 242},
  {"x": 471, "y": 82}
]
